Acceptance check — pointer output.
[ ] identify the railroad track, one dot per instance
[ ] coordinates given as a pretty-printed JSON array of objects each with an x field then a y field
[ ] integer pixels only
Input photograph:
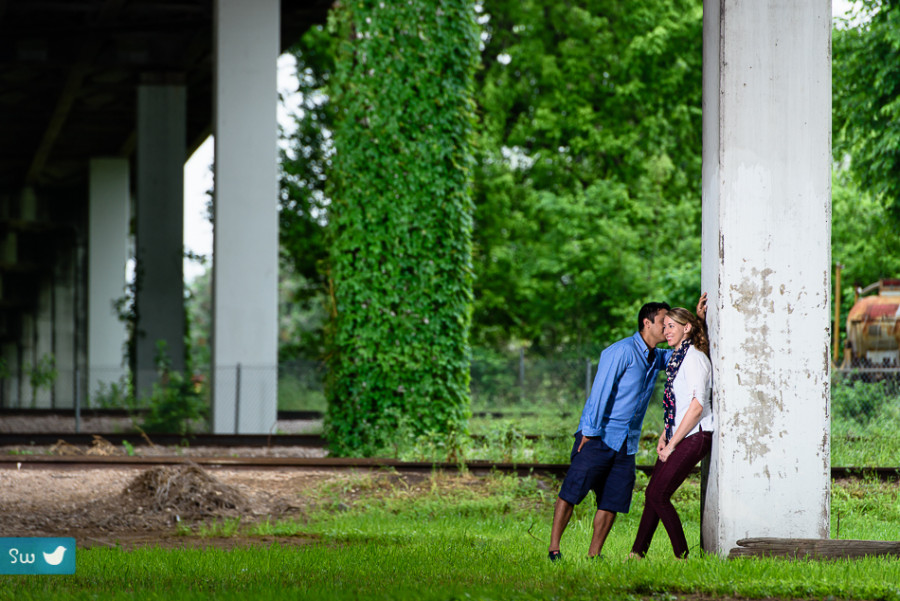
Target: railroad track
[
  {"x": 341, "y": 463},
  {"x": 28, "y": 462},
  {"x": 196, "y": 440},
  {"x": 282, "y": 415},
  {"x": 167, "y": 440}
]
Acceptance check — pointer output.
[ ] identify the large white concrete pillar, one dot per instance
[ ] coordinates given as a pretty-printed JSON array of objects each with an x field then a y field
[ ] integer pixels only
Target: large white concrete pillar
[
  {"x": 245, "y": 247},
  {"x": 766, "y": 265},
  {"x": 109, "y": 201},
  {"x": 159, "y": 298}
]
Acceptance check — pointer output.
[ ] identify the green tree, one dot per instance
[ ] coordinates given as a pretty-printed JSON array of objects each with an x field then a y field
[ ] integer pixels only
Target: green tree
[
  {"x": 400, "y": 221},
  {"x": 588, "y": 179},
  {"x": 863, "y": 240},
  {"x": 863, "y": 237},
  {"x": 866, "y": 96},
  {"x": 303, "y": 203},
  {"x": 198, "y": 320}
]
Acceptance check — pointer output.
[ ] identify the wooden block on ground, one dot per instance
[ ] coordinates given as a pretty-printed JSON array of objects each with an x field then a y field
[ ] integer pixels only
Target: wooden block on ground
[{"x": 815, "y": 548}]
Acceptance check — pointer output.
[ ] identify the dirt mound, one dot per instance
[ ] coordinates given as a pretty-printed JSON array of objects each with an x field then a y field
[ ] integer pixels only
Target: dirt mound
[
  {"x": 158, "y": 499},
  {"x": 187, "y": 491}
]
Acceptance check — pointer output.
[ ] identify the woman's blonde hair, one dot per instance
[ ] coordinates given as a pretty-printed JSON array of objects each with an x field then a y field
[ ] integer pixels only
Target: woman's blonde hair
[{"x": 697, "y": 335}]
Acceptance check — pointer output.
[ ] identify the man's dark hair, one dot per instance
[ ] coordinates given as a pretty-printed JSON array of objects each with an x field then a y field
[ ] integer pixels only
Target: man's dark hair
[{"x": 649, "y": 311}]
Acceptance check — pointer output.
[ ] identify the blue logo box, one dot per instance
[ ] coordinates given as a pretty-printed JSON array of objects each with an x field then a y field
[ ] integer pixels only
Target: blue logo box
[{"x": 37, "y": 555}]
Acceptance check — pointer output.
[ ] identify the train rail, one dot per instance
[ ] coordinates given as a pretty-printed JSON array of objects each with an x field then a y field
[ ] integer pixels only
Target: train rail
[
  {"x": 166, "y": 440},
  {"x": 286, "y": 415},
  {"x": 199, "y": 440},
  {"x": 20, "y": 462}
]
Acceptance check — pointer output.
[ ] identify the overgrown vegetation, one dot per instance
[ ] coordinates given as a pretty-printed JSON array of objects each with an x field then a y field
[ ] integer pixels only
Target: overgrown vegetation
[
  {"x": 175, "y": 404},
  {"x": 586, "y": 179},
  {"x": 41, "y": 375},
  {"x": 400, "y": 223}
]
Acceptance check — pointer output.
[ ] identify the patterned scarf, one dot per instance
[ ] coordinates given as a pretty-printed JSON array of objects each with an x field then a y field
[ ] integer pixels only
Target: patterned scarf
[{"x": 669, "y": 395}]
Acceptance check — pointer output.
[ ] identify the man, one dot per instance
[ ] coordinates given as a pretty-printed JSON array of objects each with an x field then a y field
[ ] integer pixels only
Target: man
[{"x": 610, "y": 428}]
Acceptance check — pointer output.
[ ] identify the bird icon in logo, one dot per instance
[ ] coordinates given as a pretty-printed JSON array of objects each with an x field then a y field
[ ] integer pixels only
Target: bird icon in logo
[{"x": 55, "y": 558}]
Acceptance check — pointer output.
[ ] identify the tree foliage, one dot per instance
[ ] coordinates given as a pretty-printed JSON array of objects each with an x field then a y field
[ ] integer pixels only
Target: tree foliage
[
  {"x": 863, "y": 240},
  {"x": 588, "y": 179},
  {"x": 400, "y": 221},
  {"x": 866, "y": 91},
  {"x": 863, "y": 236},
  {"x": 303, "y": 204}
]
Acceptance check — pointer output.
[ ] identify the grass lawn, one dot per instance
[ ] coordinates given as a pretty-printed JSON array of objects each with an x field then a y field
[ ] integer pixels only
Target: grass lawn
[{"x": 460, "y": 537}]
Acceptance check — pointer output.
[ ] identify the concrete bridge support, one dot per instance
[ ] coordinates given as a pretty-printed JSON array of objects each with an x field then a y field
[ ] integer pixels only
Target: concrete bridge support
[
  {"x": 766, "y": 264},
  {"x": 108, "y": 213},
  {"x": 245, "y": 255},
  {"x": 159, "y": 299}
]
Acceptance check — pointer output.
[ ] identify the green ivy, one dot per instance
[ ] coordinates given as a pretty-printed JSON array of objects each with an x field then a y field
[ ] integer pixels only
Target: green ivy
[{"x": 401, "y": 222}]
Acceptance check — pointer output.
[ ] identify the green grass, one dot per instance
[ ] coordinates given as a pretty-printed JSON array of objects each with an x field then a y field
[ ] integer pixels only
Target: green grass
[{"x": 448, "y": 537}]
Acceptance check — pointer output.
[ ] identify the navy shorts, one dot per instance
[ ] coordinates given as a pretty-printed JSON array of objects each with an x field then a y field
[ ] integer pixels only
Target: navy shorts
[{"x": 609, "y": 473}]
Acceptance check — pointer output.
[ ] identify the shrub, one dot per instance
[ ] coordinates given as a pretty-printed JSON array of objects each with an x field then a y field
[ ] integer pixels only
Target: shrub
[{"x": 175, "y": 405}]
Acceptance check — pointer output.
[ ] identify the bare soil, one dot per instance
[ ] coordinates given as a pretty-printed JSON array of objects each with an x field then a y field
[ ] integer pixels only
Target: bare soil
[
  {"x": 159, "y": 506},
  {"x": 165, "y": 506}
]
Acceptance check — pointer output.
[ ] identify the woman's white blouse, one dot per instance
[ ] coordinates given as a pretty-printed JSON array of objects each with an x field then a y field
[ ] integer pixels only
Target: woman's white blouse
[{"x": 694, "y": 381}]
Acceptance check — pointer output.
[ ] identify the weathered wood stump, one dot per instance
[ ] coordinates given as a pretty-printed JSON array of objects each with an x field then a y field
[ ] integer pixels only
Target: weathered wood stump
[{"x": 815, "y": 548}]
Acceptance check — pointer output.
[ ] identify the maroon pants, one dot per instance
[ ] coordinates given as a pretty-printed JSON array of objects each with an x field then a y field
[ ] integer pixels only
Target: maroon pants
[{"x": 667, "y": 477}]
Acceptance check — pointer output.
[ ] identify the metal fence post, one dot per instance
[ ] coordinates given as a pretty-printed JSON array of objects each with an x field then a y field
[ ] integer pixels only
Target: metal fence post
[
  {"x": 77, "y": 401},
  {"x": 237, "y": 397},
  {"x": 522, "y": 374}
]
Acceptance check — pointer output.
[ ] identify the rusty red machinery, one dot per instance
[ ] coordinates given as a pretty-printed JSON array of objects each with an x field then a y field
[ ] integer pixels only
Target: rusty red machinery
[{"x": 873, "y": 327}]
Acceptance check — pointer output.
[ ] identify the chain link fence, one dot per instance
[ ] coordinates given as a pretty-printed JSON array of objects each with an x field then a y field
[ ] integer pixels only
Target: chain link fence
[
  {"x": 520, "y": 381},
  {"x": 865, "y": 416},
  {"x": 865, "y": 395},
  {"x": 497, "y": 383},
  {"x": 861, "y": 397}
]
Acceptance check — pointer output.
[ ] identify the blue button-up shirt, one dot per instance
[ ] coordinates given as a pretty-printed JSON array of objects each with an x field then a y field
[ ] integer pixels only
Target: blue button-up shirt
[{"x": 621, "y": 391}]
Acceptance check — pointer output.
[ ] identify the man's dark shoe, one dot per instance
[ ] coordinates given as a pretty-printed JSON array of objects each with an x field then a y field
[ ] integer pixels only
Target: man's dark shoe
[{"x": 554, "y": 555}]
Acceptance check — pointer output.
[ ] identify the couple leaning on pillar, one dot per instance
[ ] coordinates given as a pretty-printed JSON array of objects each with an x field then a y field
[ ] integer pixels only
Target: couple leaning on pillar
[{"x": 610, "y": 427}]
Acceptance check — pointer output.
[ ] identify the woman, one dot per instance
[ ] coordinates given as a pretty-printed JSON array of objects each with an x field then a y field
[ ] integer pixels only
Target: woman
[{"x": 689, "y": 424}]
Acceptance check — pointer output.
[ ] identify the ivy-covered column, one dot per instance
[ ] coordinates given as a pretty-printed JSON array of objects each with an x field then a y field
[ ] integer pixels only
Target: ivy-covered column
[{"x": 401, "y": 222}]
